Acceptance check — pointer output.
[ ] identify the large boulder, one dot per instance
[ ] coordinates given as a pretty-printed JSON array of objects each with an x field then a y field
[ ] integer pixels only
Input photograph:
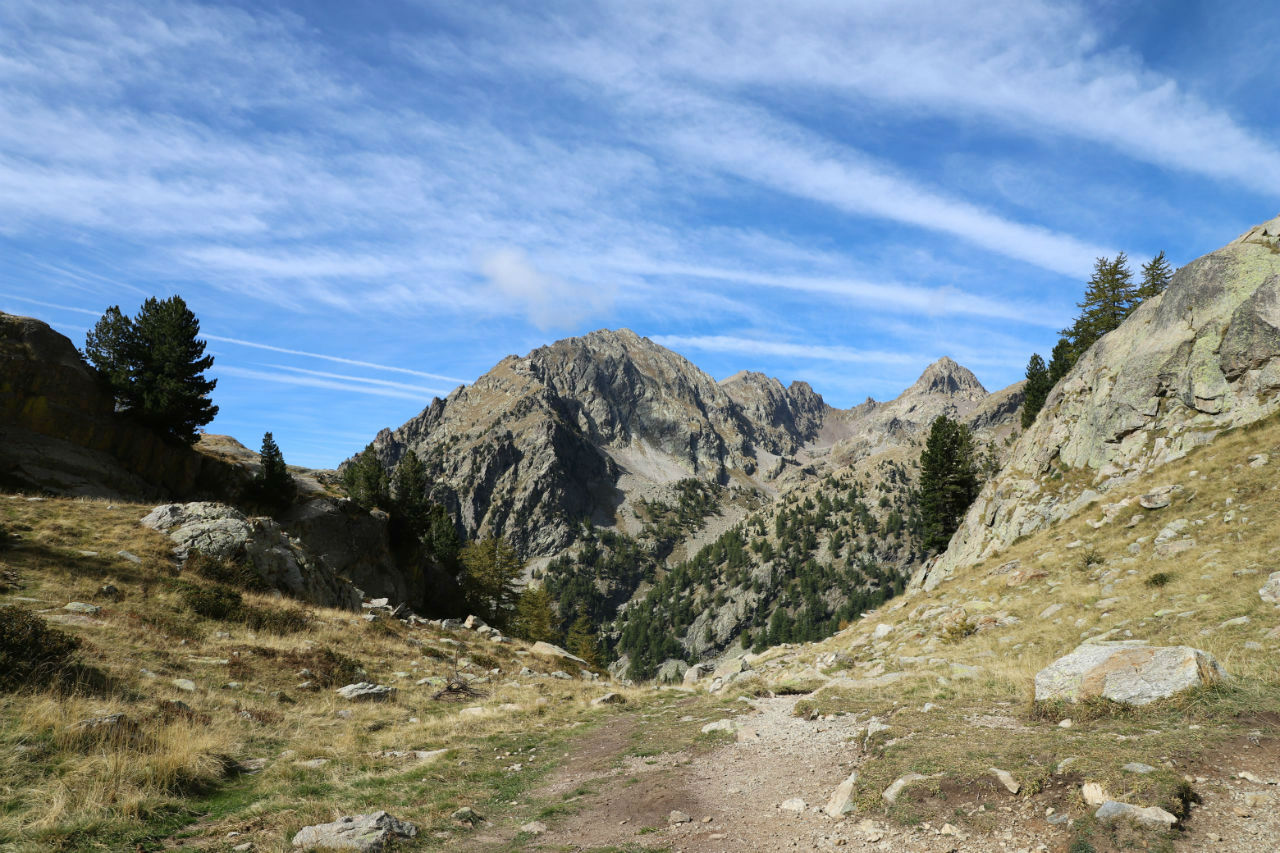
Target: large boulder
[
  {"x": 671, "y": 671},
  {"x": 365, "y": 832},
  {"x": 224, "y": 533},
  {"x": 1126, "y": 672}
]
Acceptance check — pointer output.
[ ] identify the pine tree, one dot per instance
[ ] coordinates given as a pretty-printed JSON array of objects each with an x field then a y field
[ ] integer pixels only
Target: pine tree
[
  {"x": 535, "y": 617},
  {"x": 273, "y": 485},
  {"x": 948, "y": 481},
  {"x": 1036, "y": 390},
  {"x": 581, "y": 640},
  {"x": 1109, "y": 298},
  {"x": 440, "y": 538},
  {"x": 109, "y": 347},
  {"x": 1155, "y": 277},
  {"x": 167, "y": 388},
  {"x": 365, "y": 480},
  {"x": 1061, "y": 361},
  {"x": 409, "y": 488},
  {"x": 490, "y": 572}
]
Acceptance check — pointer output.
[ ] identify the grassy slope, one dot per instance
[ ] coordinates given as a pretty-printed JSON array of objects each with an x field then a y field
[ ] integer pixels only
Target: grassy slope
[
  {"x": 177, "y": 780},
  {"x": 982, "y": 682}
]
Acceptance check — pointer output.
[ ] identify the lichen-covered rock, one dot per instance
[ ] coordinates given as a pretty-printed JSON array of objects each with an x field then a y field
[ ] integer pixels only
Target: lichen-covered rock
[
  {"x": 1126, "y": 672},
  {"x": 1270, "y": 591},
  {"x": 365, "y": 691},
  {"x": 364, "y": 832},
  {"x": 1152, "y": 816},
  {"x": 224, "y": 533},
  {"x": 1202, "y": 357}
]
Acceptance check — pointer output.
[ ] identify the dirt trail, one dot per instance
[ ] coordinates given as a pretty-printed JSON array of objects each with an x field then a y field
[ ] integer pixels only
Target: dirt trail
[{"x": 732, "y": 796}]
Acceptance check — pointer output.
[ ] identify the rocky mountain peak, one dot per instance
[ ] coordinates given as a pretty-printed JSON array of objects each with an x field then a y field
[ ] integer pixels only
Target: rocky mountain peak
[{"x": 945, "y": 376}]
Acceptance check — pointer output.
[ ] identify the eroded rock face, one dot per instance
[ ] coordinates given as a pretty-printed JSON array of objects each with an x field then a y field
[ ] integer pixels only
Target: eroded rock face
[
  {"x": 1127, "y": 673},
  {"x": 59, "y": 430},
  {"x": 224, "y": 533},
  {"x": 1202, "y": 357}
]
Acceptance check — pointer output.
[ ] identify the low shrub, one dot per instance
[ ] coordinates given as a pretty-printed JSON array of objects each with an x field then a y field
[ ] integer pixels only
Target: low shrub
[
  {"x": 227, "y": 572},
  {"x": 224, "y": 604},
  {"x": 32, "y": 654}
]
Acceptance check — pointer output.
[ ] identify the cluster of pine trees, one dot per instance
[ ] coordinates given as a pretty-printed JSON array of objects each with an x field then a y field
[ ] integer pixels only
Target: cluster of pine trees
[
  {"x": 1110, "y": 296},
  {"x": 154, "y": 364}
]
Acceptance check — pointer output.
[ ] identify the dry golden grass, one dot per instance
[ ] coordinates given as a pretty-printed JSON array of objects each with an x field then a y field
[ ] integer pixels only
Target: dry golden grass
[
  {"x": 186, "y": 777},
  {"x": 982, "y": 681}
]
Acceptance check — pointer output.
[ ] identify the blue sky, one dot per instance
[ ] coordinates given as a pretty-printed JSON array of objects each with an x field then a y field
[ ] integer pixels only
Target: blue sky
[{"x": 367, "y": 204}]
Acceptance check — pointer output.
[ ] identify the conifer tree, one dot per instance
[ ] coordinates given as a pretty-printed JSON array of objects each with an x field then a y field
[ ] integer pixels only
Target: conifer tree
[
  {"x": 409, "y": 488},
  {"x": 1061, "y": 361},
  {"x": 109, "y": 348},
  {"x": 273, "y": 485},
  {"x": 167, "y": 388},
  {"x": 1109, "y": 298},
  {"x": 535, "y": 618},
  {"x": 581, "y": 639},
  {"x": 490, "y": 571},
  {"x": 1155, "y": 277},
  {"x": 1036, "y": 390},
  {"x": 365, "y": 480},
  {"x": 948, "y": 481}
]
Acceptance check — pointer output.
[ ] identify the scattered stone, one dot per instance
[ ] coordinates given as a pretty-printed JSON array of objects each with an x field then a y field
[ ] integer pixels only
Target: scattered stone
[
  {"x": 1158, "y": 498},
  {"x": 365, "y": 832},
  {"x": 1051, "y": 610},
  {"x": 562, "y": 675},
  {"x": 891, "y": 793},
  {"x": 610, "y": 699},
  {"x": 1126, "y": 672},
  {"x": 1138, "y": 767},
  {"x": 313, "y": 763},
  {"x": 473, "y": 623},
  {"x": 82, "y": 607},
  {"x": 1094, "y": 794},
  {"x": 1258, "y": 460},
  {"x": 536, "y": 827},
  {"x": 466, "y": 816},
  {"x": 1171, "y": 549},
  {"x": 1006, "y": 778},
  {"x": 725, "y": 725},
  {"x": 1270, "y": 591},
  {"x": 671, "y": 671},
  {"x": 1152, "y": 816},
  {"x": 1065, "y": 724},
  {"x": 542, "y": 648},
  {"x": 795, "y": 804},
  {"x": 365, "y": 691},
  {"x": 185, "y": 684},
  {"x": 132, "y": 558},
  {"x": 841, "y": 801},
  {"x": 696, "y": 673},
  {"x": 678, "y": 817}
]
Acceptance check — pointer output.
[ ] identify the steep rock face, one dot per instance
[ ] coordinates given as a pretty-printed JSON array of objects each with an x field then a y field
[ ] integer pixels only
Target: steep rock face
[
  {"x": 59, "y": 430},
  {"x": 538, "y": 442},
  {"x": 1202, "y": 357}
]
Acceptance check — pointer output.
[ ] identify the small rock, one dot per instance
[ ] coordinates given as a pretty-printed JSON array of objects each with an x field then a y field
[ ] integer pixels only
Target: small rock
[
  {"x": 365, "y": 691},
  {"x": 795, "y": 804},
  {"x": 1094, "y": 794},
  {"x": 1152, "y": 816},
  {"x": 891, "y": 793},
  {"x": 678, "y": 817},
  {"x": 610, "y": 699},
  {"x": 1270, "y": 591},
  {"x": 1065, "y": 724},
  {"x": 1138, "y": 767},
  {"x": 725, "y": 725},
  {"x": 82, "y": 607},
  {"x": 184, "y": 684},
  {"x": 841, "y": 801},
  {"x": 132, "y": 558},
  {"x": 536, "y": 827},
  {"x": 1006, "y": 778},
  {"x": 466, "y": 816},
  {"x": 364, "y": 832}
]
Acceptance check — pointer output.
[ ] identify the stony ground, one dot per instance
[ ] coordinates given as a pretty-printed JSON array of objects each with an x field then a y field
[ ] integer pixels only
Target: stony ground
[{"x": 733, "y": 796}]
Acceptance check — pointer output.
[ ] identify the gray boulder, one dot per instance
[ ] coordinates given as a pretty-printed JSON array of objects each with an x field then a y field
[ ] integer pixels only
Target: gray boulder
[
  {"x": 365, "y": 832},
  {"x": 224, "y": 533},
  {"x": 696, "y": 673},
  {"x": 365, "y": 691},
  {"x": 1126, "y": 672},
  {"x": 1152, "y": 816},
  {"x": 541, "y": 648},
  {"x": 1270, "y": 591}
]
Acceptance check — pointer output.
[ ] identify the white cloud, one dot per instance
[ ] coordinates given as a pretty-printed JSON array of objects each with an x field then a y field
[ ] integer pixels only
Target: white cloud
[
  {"x": 549, "y": 301},
  {"x": 755, "y": 346},
  {"x": 423, "y": 395}
]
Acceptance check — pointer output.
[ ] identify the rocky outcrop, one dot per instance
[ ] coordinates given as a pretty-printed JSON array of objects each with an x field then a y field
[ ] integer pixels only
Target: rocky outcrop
[
  {"x": 1202, "y": 357},
  {"x": 1126, "y": 672},
  {"x": 223, "y": 533},
  {"x": 59, "y": 430},
  {"x": 364, "y": 832}
]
